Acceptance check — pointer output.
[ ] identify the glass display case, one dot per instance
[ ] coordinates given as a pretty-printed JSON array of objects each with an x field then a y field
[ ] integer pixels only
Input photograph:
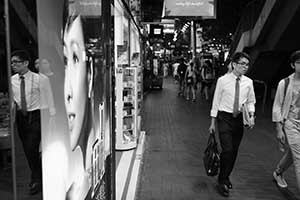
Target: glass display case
[
  {"x": 126, "y": 108},
  {"x": 139, "y": 89},
  {"x": 5, "y": 144}
]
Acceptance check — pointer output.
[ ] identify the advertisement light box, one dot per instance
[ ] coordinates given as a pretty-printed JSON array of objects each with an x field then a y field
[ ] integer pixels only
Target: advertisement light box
[
  {"x": 157, "y": 31},
  {"x": 190, "y": 8}
]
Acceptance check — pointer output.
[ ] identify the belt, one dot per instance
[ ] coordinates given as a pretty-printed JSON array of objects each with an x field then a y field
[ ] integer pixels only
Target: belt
[{"x": 229, "y": 114}]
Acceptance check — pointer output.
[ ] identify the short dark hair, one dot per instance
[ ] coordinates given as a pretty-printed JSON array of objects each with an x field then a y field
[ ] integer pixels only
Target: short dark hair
[
  {"x": 22, "y": 54},
  {"x": 295, "y": 56},
  {"x": 238, "y": 55}
]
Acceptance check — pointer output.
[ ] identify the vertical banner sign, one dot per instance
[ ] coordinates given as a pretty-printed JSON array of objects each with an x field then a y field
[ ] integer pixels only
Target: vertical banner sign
[{"x": 75, "y": 137}]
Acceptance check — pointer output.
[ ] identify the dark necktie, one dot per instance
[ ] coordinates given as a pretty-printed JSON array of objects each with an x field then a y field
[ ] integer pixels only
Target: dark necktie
[
  {"x": 23, "y": 96},
  {"x": 236, "y": 97}
]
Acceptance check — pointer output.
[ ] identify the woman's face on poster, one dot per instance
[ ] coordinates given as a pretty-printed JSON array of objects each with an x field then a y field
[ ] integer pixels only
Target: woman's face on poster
[{"x": 75, "y": 85}]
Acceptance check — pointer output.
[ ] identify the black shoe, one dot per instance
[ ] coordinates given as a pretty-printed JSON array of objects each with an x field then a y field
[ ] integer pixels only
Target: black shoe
[
  {"x": 223, "y": 190},
  {"x": 229, "y": 185},
  {"x": 35, "y": 188}
]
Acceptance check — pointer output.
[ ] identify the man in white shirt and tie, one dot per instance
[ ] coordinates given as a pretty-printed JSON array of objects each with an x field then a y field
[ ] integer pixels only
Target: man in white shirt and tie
[
  {"x": 26, "y": 88},
  {"x": 233, "y": 90}
]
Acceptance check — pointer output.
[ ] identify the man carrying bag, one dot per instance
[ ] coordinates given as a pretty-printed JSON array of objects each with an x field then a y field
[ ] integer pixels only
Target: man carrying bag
[{"x": 232, "y": 91}]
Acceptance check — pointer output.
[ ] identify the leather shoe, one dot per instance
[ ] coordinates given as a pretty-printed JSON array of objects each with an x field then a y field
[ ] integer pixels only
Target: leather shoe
[
  {"x": 223, "y": 189},
  {"x": 229, "y": 184},
  {"x": 35, "y": 188}
]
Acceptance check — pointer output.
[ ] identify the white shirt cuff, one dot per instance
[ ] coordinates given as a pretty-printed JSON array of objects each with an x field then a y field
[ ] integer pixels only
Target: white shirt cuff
[{"x": 213, "y": 113}]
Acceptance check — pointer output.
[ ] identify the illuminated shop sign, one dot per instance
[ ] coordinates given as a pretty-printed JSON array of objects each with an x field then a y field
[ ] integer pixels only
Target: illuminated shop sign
[
  {"x": 177, "y": 8},
  {"x": 156, "y": 30},
  {"x": 169, "y": 28}
]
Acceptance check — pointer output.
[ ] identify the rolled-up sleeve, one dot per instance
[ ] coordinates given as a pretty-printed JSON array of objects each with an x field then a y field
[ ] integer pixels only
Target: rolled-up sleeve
[
  {"x": 277, "y": 105},
  {"x": 216, "y": 99}
]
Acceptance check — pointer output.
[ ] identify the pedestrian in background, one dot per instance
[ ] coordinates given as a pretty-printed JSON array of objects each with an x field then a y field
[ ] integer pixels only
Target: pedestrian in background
[
  {"x": 286, "y": 115},
  {"x": 232, "y": 91},
  {"x": 175, "y": 73},
  {"x": 190, "y": 79},
  {"x": 208, "y": 77},
  {"x": 181, "y": 73}
]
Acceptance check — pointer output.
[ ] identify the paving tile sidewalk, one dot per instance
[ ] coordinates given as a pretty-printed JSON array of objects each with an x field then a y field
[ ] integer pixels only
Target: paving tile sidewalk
[{"x": 176, "y": 137}]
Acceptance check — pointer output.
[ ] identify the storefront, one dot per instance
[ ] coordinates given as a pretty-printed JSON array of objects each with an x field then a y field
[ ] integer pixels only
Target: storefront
[{"x": 128, "y": 76}]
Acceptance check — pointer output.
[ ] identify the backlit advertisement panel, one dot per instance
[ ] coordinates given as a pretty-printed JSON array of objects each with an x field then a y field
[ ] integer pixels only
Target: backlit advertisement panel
[
  {"x": 190, "y": 8},
  {"x": 76, "y": 140}
]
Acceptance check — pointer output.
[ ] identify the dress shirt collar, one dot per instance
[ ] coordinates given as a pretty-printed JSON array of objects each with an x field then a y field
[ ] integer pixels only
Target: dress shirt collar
[
  {"x": 26, "y": 75},
  {"x": 235, "y": 76}
]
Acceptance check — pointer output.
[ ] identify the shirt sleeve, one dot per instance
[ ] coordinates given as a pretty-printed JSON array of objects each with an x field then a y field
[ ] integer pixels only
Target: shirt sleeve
[
  {"x": 278, "y": 101},
  {"x": 46, "y": 94},
  {"x": 251, "y": 98},
  {"x": 216, "y": 99}
]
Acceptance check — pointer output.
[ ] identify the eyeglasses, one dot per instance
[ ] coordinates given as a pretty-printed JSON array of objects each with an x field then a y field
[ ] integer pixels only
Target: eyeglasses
[
  {"x": 297, "y": 62},
  {"x": 243, "y": 64},
  {"x": 16, "y": 61}
]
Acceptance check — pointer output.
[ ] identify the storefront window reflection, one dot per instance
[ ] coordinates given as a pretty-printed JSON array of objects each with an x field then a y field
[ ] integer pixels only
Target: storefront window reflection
[
  {"x": 76, "y": 145},
  {"x": 6, "y": 177}
]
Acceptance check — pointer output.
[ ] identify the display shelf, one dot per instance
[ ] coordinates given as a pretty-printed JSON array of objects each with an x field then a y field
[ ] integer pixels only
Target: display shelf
[
  {"x": 139, "y": 96},
  {"x": 126, "y": 108}
]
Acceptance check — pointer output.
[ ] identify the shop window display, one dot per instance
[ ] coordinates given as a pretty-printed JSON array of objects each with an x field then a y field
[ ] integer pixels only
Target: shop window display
[{"x": 126, "y": 91}]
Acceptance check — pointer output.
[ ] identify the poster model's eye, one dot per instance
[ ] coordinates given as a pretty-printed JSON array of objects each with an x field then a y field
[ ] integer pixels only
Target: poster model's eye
[{"x": 75, "y": 58}]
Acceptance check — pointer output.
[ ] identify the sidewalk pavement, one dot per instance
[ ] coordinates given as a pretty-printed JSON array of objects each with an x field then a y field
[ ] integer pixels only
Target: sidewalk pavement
[{"x": 177, "y": 134}]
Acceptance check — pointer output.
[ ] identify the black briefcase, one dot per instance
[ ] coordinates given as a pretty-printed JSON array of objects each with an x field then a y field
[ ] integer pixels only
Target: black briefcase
[{"x": 211, "y": 157}]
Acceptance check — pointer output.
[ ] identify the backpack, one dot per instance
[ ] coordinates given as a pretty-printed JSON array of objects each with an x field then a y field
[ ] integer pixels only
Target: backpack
[{"x": 208, "y": 74}]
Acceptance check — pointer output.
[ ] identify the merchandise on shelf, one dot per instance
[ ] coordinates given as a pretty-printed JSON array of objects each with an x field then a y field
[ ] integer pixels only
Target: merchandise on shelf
[{"x": 126, "y": 108}]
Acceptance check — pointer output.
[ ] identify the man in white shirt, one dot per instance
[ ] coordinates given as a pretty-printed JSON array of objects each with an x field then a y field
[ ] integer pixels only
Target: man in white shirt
[
  {"x": 175, "y": 67},
  {"x": 26, "y": 88},
  {"x": 233, "y": 90},
  {"x": 46, "y": 101},
  {"x": 286, "y": 115}
]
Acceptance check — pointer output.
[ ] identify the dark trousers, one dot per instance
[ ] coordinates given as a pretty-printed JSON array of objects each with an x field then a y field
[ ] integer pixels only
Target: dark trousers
[
  {"x": 230, "y": 134},
  {"x": 29, "y": 129}
]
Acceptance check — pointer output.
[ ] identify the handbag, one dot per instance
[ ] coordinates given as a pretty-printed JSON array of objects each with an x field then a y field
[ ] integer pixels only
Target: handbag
[{"x": 211, "y": 157}]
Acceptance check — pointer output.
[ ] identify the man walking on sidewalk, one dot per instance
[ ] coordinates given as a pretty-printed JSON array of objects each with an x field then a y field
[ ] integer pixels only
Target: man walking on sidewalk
[
  {"x": 286, "y": 115},
  {"x": 232, "y": 91},
  {"x": 26, "y": 95},
  {"x": 181, "y": 72}
]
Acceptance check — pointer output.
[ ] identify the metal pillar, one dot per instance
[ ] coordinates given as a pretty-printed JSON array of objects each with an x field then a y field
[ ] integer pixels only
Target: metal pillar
[
  {"x": 8, "y": 54},
  {"x": 193, "y": 38}
]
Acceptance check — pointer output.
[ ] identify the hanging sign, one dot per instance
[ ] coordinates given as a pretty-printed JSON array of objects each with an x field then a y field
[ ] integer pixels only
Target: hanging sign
[{"x": 190, "y": 8}]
